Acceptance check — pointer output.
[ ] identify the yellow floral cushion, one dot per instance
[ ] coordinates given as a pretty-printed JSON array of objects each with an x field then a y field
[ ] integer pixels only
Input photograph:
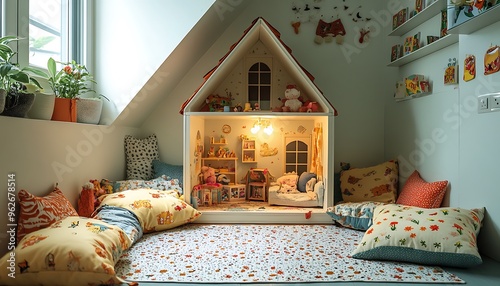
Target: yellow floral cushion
[
  {"x": 72, "y": 251},
  {"x": 156, "y": 210},
  {"x": 440, "y": 236},
  {"x": 378, "y": 183}
]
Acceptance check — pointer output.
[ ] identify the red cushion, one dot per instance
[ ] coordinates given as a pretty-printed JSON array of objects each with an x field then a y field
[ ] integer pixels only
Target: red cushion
[
  {"x": 419, "y": 193},
  {"x": 40, "y": 212}
]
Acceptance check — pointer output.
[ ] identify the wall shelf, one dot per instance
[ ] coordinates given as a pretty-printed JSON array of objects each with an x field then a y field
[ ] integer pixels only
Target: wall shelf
[
  {"x": 426, "y": 14},
  {"x": 417, "y": 95},
  {"x": 482, "y": 20},
  {"x": 425, "y": 50}
]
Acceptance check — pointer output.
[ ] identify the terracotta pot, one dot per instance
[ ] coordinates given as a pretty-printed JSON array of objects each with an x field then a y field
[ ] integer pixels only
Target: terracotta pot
[
  {"x": 43, "y": 107},
  {"x": 21, "y": 107},
  {"x": 64, "y": 109},
  {"x": 3, "y": 96},
  {"x": 88, "y": 110}
]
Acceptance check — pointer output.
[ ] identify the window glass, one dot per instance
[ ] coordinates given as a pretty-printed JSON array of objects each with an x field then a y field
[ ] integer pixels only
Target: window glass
[
  {"x": 48, "y": 31},
  {"x": 259, "y": 85}
]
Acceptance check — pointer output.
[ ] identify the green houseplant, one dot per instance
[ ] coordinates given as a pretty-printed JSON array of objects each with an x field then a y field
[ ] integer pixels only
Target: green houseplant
[
  {"x": 16, "y": 83},
  {"x": 68, "y": 84}
]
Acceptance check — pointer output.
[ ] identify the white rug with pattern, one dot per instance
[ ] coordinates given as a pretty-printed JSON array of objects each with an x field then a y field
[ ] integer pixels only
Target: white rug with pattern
[{"x": 201, "y": 253}]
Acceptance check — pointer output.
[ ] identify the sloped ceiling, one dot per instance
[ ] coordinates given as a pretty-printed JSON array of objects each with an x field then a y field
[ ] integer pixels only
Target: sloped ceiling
[{"x": 185, "y": 55}]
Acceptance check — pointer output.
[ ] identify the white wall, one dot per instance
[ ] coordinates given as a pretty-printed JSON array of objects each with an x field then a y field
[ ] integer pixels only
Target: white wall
[
  {"x": 444, "y": 137},
  {"x": 353, "y": 77},
  {"x": 42, "y": 153},
  {"x": 478, "y": 141},
  {"x": 133, "y": 38}
]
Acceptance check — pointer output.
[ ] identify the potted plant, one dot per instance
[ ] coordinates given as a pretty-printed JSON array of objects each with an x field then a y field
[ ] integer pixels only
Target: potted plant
[
  {"x": 16, "y": 84},
  {"x": 88, "y": 110},
  {"x": 68, "y": 84}
]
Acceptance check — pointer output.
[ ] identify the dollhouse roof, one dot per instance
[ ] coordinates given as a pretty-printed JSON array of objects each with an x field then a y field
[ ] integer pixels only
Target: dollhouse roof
[{"x": 261, "y": 30}]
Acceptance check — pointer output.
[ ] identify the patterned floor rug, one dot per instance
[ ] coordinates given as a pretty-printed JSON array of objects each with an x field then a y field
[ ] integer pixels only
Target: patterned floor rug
[{"x": 201, "y": 253}]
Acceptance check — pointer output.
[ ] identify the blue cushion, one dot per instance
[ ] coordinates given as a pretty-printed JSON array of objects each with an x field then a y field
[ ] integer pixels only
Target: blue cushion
[
  {"x": 171, "y": 171},
  {"x": 303, "y": 179}
]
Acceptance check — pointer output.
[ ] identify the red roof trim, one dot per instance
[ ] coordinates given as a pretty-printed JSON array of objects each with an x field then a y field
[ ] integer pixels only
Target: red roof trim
[{"x": 221, "y": 60}]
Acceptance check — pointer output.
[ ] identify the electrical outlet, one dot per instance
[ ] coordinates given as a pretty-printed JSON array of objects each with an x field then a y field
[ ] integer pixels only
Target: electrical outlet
[
  {"x": 494, "y": 101},
  {"x": 482, "y": 103}
]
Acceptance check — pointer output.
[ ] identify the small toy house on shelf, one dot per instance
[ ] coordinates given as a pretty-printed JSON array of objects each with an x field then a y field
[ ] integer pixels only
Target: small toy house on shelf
[{"x": 244, "y": 99}]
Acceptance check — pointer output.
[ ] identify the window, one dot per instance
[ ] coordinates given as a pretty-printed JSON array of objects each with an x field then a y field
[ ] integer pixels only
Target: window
[
  {"x": 56, "y": 28},
  {"x": 259, "y": 85},
  {"x": 297, "y": 154}
]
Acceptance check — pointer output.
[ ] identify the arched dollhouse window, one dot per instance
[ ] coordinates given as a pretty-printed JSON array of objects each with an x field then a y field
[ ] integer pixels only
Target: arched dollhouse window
[
  {"x": 259, "y": 85},
  {"x": 297, "y": 154}
]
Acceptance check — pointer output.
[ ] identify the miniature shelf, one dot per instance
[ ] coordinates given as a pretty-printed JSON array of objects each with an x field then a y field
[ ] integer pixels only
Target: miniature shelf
[
  {"x": 426, "y": 14},
  {"x": 443, "y": 42},
  {"x": 482, "y": 20},
  {"x": 413, "y": 96}
]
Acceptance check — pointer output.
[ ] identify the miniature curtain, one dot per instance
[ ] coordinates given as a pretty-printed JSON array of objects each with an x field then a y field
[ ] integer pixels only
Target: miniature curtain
[{"x": 317, "y": 149}]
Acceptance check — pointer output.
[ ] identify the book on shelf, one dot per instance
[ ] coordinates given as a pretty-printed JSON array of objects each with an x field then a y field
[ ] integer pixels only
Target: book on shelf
[
  {"x": 416, "y": 84},
  {"x": 395, "y": 52},
  {"x": 444, "y": 23},
  {"x": 416, "y": 42},
  {"x": 419, "y": 5},
  {"x": 408, "y": 45}
]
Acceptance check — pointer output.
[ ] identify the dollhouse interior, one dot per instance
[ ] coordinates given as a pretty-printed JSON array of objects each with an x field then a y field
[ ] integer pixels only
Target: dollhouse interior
[{"x": 242, "y": 120}]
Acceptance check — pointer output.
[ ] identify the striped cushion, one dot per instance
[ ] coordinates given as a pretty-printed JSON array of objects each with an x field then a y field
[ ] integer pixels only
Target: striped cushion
[{"x": 40, "y": 212}]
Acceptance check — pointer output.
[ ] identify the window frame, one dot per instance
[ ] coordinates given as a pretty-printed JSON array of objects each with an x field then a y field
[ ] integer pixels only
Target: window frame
[
  {"x": 249, "y": 63},
  {"x": 306, "y": 139},
  {"x": 14, "y": 14}
]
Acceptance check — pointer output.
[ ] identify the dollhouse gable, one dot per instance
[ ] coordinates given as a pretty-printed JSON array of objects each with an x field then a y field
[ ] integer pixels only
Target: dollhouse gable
[{"x": 259, "y": 40}]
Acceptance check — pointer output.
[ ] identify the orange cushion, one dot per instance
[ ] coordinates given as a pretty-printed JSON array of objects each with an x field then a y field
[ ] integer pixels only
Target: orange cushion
[
  {"x": 419, "y": 193},
  {"x": 40, "y": 212}
]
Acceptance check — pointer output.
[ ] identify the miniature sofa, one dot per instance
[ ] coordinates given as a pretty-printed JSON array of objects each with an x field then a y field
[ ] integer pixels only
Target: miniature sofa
[{"x": 292, "y": 190}]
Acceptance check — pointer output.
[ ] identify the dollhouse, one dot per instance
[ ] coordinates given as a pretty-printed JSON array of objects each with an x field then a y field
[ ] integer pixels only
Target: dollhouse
[{"x": 238, "y": 119}]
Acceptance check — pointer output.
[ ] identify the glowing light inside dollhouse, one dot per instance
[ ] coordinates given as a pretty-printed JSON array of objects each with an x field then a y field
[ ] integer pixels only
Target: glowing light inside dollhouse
[{"x": 268, "y": 128}]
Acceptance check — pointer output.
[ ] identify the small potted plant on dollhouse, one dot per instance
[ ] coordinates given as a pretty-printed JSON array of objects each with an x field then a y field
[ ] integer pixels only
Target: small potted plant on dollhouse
[
  {"x": 16, "y": 84},
  {"x": 68, "y": 84}
]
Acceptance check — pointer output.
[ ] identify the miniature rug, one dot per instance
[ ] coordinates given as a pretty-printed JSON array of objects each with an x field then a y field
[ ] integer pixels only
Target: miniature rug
[{"x": 201, "y": 253}]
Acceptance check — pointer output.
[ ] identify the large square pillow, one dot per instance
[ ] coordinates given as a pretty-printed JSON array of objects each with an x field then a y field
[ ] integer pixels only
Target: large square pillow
[
  {"x": 72, "y": 251},
  {"x": 419, "y": 193},
  {"x": 156, "y": 210},
  {"x": 442, "y": 236},
  {"x": 40, "y": 212},
  {"x": 377, "y": 183},
  {"x": 139, "y": 155}
]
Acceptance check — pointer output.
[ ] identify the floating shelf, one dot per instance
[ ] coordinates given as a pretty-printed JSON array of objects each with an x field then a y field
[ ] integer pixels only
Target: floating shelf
[
  {"x": 416, "y": 95},
  {"x": 482, "y": 20},
  {"x": 443, "y": 42},
  {"x": 424, "y": 15}
]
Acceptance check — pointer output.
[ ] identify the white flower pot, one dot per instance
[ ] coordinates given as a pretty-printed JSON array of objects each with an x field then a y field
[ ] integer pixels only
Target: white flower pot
[
  {"x": 43, "y": 107},
  {"x": 88, "y": 110}
]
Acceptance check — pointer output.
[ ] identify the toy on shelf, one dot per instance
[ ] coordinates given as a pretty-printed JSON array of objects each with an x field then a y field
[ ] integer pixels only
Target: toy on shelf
[{"x": 292, "y": 102}]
